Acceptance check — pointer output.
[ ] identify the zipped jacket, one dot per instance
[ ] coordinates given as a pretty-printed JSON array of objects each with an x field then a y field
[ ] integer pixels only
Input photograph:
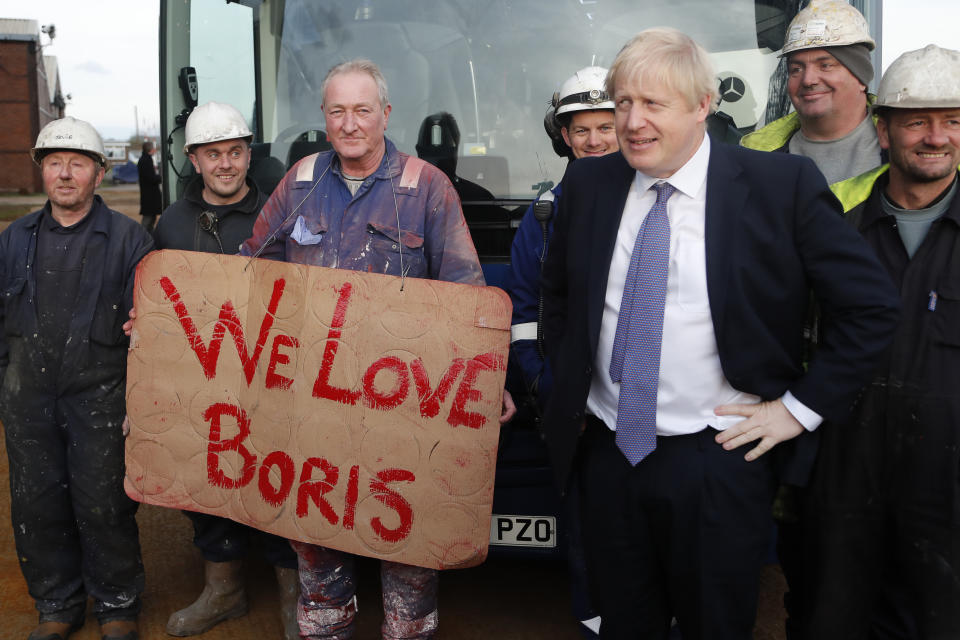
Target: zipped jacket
[
  {"x": 95, "y": 354},
  {"x": 180, "y": 228},
  {"x": 405, "y": 218},
  {"x": 776, "y": 135},
  {"x": 523, "y": 284},
  {"x": 911, "y": 408}
]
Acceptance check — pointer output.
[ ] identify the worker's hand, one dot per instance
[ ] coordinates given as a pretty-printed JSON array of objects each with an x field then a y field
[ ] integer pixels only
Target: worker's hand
[
  {"x": 769, "y": 422},
  {"x": 125, "y": 427},
  {"x": 508, "y": 408},
  {"x": 128, "y": 325}
]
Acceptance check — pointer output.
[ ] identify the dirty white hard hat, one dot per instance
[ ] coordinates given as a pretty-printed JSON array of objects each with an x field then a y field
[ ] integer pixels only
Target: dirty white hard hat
[
  {"x": 213, "y": 122},
  {"x": 827, "y": 23},
  {"x": 69, "y": 134},
  {"x": 583, "y": 91},
  {"x": 927, "y": 78}
]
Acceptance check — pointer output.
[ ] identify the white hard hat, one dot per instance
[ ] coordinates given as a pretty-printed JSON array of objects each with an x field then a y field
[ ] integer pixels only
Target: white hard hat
[
  {"x": 213, "y": 122},
  {"x": 583, "y": 91},
  {"x": 827, "y": 23},
  {"x": 927, "y": 78},
  {"x": 69, "y": 134}
]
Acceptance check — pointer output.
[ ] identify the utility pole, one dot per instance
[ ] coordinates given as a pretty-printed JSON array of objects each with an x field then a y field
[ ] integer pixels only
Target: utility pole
[{"x": 136, "y": 119}]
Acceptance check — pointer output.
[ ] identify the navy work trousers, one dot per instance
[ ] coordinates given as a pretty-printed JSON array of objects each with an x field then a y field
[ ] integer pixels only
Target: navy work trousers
[{"x": 74, "y": 526}]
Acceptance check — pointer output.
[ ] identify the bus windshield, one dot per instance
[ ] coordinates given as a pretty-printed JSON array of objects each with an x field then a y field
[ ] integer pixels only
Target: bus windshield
[{"x": 492, "y": 65}]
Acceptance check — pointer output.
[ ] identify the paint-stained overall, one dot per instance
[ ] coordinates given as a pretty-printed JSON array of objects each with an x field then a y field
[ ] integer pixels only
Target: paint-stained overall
[{"x": 61, "y": 407}]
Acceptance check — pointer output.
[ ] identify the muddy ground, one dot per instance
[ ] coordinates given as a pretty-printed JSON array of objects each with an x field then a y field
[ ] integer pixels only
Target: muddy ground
[
  {"x": 502, "y": 599},
  {"x": 124, "y": 198}
]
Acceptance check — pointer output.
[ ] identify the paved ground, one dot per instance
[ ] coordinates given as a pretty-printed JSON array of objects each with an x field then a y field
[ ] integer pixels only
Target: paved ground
[{"x": 501, "y": 599}]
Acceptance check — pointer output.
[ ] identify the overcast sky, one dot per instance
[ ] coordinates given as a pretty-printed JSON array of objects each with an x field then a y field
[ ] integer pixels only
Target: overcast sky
[
  {"x": 107, "y": 51},
  {"x": 108, "y": 57}
]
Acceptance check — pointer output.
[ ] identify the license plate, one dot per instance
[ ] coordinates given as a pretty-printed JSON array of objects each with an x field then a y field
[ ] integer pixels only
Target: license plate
[{"x": 523, "y": 531}]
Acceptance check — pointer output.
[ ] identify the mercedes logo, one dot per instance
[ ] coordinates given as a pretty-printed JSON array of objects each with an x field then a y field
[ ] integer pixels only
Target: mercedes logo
[{"x": 732, "y": 89}]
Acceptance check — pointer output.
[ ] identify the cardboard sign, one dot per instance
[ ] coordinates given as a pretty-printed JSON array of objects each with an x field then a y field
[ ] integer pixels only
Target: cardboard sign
[{"x": 323, "y": 405}]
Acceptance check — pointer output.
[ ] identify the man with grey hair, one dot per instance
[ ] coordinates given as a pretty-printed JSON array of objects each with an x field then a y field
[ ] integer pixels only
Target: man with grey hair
[
  {"x": 676, "y": 286},
  {"x": 365, "y": 206},
  {"x": 828, "y": 61}
]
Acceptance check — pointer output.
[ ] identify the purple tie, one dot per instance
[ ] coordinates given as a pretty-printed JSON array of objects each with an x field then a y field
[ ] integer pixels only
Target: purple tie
[{"x": 635, "y": 362}]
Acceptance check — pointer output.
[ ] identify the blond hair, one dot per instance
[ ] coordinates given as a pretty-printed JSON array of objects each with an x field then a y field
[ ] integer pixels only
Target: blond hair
[{"x": 668, "y": 57}]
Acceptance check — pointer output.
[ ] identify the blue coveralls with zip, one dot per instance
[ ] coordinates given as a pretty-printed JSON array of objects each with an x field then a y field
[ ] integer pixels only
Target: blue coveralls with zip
[
  {"x": 523, "y": 285},
  {"x": 408, "y": 213}
]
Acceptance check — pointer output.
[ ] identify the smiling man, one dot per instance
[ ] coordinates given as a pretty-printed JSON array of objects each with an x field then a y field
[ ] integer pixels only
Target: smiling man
[
  {"x": 882, "y": 511},
  {"x": 220, "y": 204},
  {"x": 365, "y": 206},
  {"x": 828, "y": 64},
  {"x": 216, "y": 213},
  {"x": 675, "y": 289},
  {"x": 67, "y": 277},
  {"x": 580, "y": 124}
]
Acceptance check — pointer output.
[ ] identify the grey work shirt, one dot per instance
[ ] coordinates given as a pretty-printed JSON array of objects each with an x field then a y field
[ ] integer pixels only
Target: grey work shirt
[
  {"x": 846, "y": 157},
  {"x": 913, "y": 225}
]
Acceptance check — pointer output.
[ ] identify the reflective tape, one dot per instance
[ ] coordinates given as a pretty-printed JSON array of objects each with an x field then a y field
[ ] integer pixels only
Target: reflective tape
[{"x": 525, "y": 331}]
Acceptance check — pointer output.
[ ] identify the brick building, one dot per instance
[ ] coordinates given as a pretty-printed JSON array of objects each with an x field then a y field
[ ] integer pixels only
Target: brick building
[{"x": 30, "y": 97}]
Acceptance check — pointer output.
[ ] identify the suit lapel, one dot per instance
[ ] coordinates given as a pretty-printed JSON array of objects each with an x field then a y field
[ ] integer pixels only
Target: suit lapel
[
  {"x": 726, "y": 195},
  {"x": 608, "y": 211}
]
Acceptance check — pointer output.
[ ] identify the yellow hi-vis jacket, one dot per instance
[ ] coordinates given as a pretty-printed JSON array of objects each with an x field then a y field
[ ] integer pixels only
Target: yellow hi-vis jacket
[{"x": 776, "y": 135}]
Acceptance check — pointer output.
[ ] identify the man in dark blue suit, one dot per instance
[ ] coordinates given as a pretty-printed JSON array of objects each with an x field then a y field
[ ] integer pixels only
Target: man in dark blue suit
[{"x": 676, "y": 289}]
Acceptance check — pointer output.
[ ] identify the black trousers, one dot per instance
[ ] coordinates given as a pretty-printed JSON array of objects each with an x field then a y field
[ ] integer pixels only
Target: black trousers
[
  {"x": 149, "y": 221},
  {"x": 222, "y": 540},
  {"x": 683, "y": 534},
  {"x": 881, "y": 524},
  {"x": 74, "y": 526}
]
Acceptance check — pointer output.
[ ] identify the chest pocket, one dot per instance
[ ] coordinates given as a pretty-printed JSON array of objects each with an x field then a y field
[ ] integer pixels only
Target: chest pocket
[
  {"x": 384, "y": 246},
  {"x": 307, "y": 232},
  {"x": 945, "y": 326},
  {"x": 15, "y": 307},
  {"x": 108, "y": 315}
]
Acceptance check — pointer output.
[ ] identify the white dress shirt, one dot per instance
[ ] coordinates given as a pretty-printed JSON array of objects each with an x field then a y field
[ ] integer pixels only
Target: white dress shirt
[{"x": 692, "y": 383}]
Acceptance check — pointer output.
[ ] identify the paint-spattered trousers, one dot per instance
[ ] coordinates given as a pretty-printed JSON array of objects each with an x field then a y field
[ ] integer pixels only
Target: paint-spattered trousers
[
  {"x": 74, "y": 526},
  {"x": 328, "y": 607}
]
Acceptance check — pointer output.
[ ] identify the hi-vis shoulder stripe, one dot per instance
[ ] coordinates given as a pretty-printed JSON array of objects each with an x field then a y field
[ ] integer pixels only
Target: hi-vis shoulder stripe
[
  {"x": 305, "y": 169},
  {"x": 411, "y": 173},
  {"x": 525, "y": 331}
]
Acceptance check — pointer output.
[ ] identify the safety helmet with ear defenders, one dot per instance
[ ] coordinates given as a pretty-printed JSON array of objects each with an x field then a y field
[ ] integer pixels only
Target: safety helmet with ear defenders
[{"x": 583, "y": 91}]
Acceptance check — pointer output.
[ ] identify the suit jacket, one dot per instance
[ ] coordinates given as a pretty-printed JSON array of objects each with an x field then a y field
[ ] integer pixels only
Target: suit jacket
[{"x": 773, "y": 234}]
